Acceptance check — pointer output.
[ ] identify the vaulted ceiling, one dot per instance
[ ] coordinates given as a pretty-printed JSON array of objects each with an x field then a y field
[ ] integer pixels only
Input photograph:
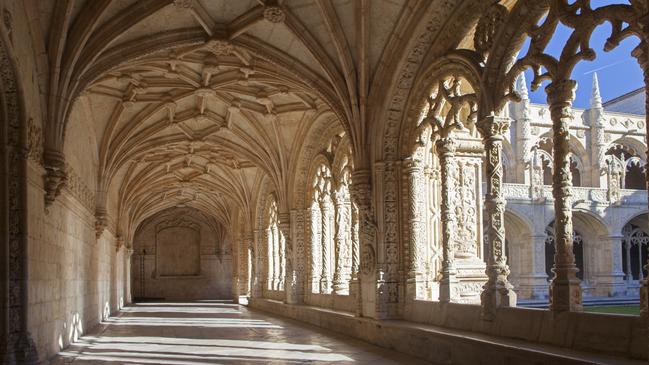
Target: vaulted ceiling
[{"x": 194, "y": 102}]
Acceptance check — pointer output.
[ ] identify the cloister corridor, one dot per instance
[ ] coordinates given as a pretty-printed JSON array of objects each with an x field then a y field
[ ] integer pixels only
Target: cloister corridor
[
  {"x": 462, "y": 182},
  {"x": 216, "y": 332}
]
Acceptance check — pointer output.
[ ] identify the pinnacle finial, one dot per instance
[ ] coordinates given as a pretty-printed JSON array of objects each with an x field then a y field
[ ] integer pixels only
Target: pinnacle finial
[
  {"x": 595, "y": 97},
  {"x": 521, "y": 87}
]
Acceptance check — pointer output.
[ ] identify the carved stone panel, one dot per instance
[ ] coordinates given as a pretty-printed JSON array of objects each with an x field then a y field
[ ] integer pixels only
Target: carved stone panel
[{"x": 178, "y": 251}]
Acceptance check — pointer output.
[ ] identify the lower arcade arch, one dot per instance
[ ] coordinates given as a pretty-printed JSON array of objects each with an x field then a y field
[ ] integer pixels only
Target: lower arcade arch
[{"x": 634, "y": 249}]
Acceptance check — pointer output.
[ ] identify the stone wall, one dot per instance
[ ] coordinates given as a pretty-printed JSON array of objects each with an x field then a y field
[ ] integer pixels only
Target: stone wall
[
  {"x": 184, "y": 257},
  {"x": 74, "y": 281}
]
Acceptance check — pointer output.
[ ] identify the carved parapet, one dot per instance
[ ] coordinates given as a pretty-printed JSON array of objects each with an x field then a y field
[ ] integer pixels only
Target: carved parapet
[{"x": 55, "y": 175}]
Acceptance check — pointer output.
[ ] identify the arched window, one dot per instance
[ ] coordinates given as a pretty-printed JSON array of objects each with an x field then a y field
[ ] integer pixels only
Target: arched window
[
  {"x": 634, "y": 252},
  {"x": 626, "y": 162},
  {"x": 275, "y": 241},
  {"x": 577, "y": 250},
  {"x": 575, "y": 170}
]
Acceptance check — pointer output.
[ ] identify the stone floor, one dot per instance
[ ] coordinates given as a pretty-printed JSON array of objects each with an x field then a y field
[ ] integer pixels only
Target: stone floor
[{"x": 216, "y": 332}]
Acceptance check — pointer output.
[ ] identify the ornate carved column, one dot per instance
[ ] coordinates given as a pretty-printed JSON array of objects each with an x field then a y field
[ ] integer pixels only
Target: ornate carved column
[
  {"x": 565, "y": 290},
  {"x": 446, "y": 147},
  {"x": 269, "y": 270},
  {"x": 128, "y": 261},
  {"x": 498, "y": 291},
  {"x": 257, "y": 279},
  {"x": 16, "y": 344},
  {"x": 244, "y": 268},
  {"x": 414, "y": 171},
  {"x": 627, "y": 259},
  {"x": 325, "y": 275},
  {"x": 280, "y": 242},
  {"x": 355, "y": 250},
  {"x": 641, "y": 53},
  {"x": 290, "y": 276},
  {"x": 316, "y": 243},
  {"x": 361, "y": 194},
  {"x": 275, "y": 250},
  {"x": 341, "y": 268}
]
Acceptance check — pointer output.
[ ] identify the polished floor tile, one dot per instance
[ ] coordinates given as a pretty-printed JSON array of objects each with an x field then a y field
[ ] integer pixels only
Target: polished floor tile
[{"x": 216, "y": 332}]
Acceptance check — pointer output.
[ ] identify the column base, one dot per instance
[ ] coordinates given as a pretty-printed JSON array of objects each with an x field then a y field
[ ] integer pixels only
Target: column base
[
  {"x": 22, "y": 351},
  {"x": 644, "y": 300},
  {"x": 291, "y": 295},
  {"x": 496, "y": 296},
  {"x": 609, "y": 285},
  {"x": 448, "y": 288},
  {"x": 325, "y": 286},
  {"x": 565, "y": 295},
  {"x": 533, "y": 287}
]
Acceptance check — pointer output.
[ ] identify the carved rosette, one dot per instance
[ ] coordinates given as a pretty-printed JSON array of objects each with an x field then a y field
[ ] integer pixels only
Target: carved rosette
[
  {"x": 565, "y": 292},
  {"x": 498, "y": 291},
  {"x": 274, "y": 14}
]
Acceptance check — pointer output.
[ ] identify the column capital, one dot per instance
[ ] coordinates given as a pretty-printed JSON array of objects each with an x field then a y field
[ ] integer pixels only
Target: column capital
[
  {"x": 561, "y": 92},
  {"x": 493, "y": 126},
  {"x": 412, "y": 164},
  {"x": 446, "y": 146}
]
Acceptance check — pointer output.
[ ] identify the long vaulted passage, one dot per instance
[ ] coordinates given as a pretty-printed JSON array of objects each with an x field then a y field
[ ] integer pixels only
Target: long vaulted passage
[
  {"x": 458, "y": 181},
  {"x": 216, "y": 332}
]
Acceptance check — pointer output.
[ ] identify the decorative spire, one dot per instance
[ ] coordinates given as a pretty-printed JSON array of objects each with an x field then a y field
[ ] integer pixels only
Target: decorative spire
[
  {"x": 521, "y": 87},
  {"x": 595, "y": 97},
  {"x": 522, "y": 109}
]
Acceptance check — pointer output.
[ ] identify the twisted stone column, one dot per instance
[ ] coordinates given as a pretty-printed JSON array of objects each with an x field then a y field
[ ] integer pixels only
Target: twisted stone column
[
  {"x": 290, "y": 276},
  {"x": 446, "y": 148},
  {"x": 498, "y": 291},
  {"x": 315, "y": 243},
  {"x": 355, "y": 246},
  {"x": 361, "y": 191},
  {"x": 341, "y": 277},
  {"x": 414, "y": 171},
  {"x": 565, "y": 290},
  {"x": 325, "y": 275},
  {"x": 270, "y": 260}
]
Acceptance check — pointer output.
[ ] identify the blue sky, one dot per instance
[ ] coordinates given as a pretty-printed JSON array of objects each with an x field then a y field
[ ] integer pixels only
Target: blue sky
[{"x": 617, "y": 71}]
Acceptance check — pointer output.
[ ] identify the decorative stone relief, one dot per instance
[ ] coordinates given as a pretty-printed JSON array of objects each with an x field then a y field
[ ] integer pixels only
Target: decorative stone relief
[
  {"x": 78, "y": 188},
  {"x": 274, "y": 14},
  {"x": 487, "y": 28},
  {"x": 18, "y": 342},
  {"x": 34, "y": 142}
]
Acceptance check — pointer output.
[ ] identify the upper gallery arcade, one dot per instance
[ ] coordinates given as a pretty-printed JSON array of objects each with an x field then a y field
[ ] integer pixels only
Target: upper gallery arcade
[{"x": 351, "y": 161}]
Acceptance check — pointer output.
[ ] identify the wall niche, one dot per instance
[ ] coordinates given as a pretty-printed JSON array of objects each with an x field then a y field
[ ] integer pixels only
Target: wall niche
[{"x": 181, "y": 254}]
